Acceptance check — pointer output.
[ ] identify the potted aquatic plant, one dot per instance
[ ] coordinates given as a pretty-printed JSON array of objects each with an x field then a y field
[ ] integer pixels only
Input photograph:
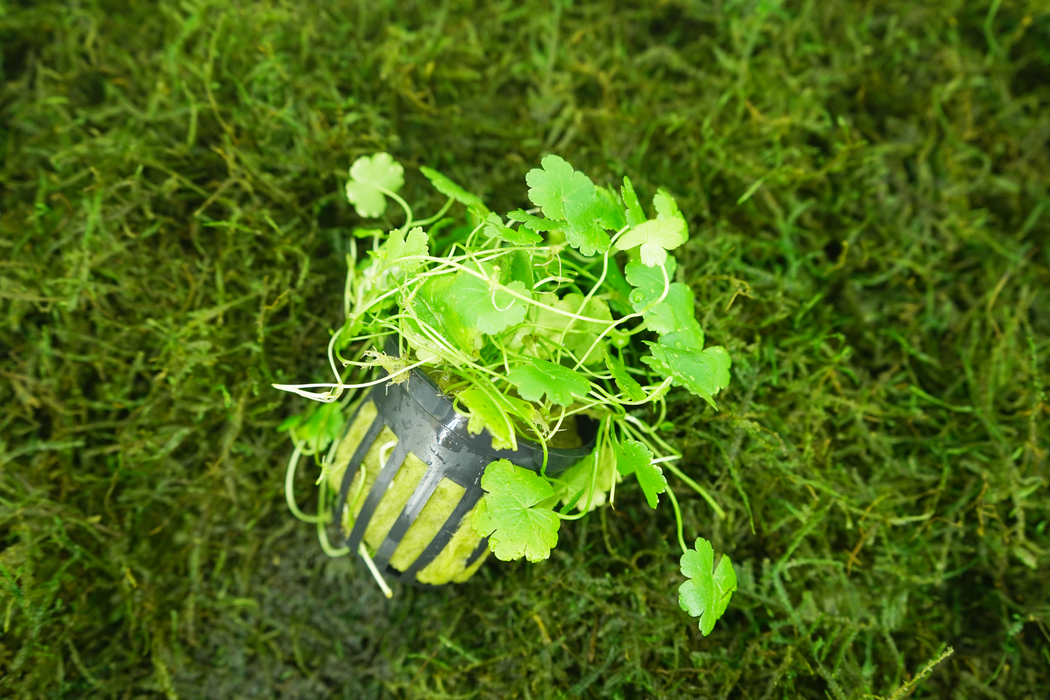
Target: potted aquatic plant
[{"x": 495, "y": 376}]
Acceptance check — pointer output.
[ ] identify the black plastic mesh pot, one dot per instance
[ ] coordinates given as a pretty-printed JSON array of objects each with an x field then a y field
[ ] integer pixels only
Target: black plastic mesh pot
[{"x": 430, "y": 453}]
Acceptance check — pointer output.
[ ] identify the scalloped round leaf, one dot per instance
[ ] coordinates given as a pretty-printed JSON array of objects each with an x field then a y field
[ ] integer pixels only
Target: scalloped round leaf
[
  {"x": 398, "y": 252},
  {"x": 707, "y": 593},
  {"x": 655, "y": 237},
  {"x": 367, "y": 174},
  {"x": 508, "y": 515},
  {"x": 557, "y": 189},
  {"x": 564, "y": 193},
  {"x": 560, "y": 384},
  {"x": 647, "y": 281},
  {"x": 487, "y": 306},
  {"x": 703, "y": 373}
]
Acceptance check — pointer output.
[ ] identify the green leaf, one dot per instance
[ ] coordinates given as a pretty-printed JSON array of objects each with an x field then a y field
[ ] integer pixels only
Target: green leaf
[
  {"x": 564, "y": 193},
  {"x": 625, "y": 381},
  {"x": 486, "y": 305},
  {"x": 561, "y": 384},
  {"x": 434, "y": 304},
  {"x": 535, "y": 223},
  {"x": 675, "y": 319},
  {"x": 525, "y": 412},
  {"x": 508, "y": 515},
  {"x": 585, "y": 233},
  {"x": 632, "y": 457},
  {"x": 289, "y": 423},
  {"x": 392, "y": 254},
  {"x": 517, "y": 266},
  {"x": 367, "y": 232},
  {"x": 651, "y": 479},
  {"x": 647, "y": 281},
  {"x": 494, "y": 228},
  {"x": 634, "y": 212},
  {"x": 704, "y": 373},
  {"x": 665, "y": 205},
  {"x": 655, "y": 238},
  {"x": 667, "y": 208},
  {"x": 558, "y": 189},
  {"x": 447, "y": 187},
  {"x": 577, "y": 480},
  {"x": 319, "y": 427},
  {"x": 611, "y": 214},
  {"x": 706, "y": 594},
  {"x": 578, "y": 338},
  {"x": 367, "y": 174},
  {"x": 486, "y": 414}
]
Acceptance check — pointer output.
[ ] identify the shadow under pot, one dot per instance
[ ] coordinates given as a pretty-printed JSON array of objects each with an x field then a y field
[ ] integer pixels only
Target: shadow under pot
[{"x": 408, "y": 475}]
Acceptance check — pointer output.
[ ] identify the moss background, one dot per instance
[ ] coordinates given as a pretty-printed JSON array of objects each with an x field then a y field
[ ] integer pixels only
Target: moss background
[{"x": 867, "y": 185}]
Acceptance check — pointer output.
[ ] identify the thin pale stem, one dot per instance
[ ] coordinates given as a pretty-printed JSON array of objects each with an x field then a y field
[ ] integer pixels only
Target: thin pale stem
[
  {"x": 435, "y": 217},
  {"x": 677, "y": 518},
  {"x": 289, "y": 488},
  {"x": 375, "y": 571},
  {"x": 404, "y": 205}
]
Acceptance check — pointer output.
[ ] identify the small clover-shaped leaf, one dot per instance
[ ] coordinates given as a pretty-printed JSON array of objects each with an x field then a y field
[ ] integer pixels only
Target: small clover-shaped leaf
[
  {"x": 707, "y": 593},
  {"x": 369, "y": 175},
  {"x": 561, "y": 384},
  {"x": 494, "y": 228},
  {"x": 398, "y": 252},
  {"x": 447, "y": 187},
  {"x": 655, "y": 238},
  {"x": 508, "y": 515}
]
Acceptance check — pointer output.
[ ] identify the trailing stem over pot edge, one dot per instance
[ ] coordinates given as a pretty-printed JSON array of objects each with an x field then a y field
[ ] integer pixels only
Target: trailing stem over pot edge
[{"x": 529, "y": 323}]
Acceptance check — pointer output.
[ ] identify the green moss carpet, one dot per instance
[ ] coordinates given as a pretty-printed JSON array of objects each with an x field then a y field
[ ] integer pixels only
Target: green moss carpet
[{"x": 867, "y": 188}]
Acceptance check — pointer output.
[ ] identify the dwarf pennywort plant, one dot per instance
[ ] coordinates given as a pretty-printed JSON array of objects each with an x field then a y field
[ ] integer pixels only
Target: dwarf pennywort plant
[{"x": 535, "y": 323}]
